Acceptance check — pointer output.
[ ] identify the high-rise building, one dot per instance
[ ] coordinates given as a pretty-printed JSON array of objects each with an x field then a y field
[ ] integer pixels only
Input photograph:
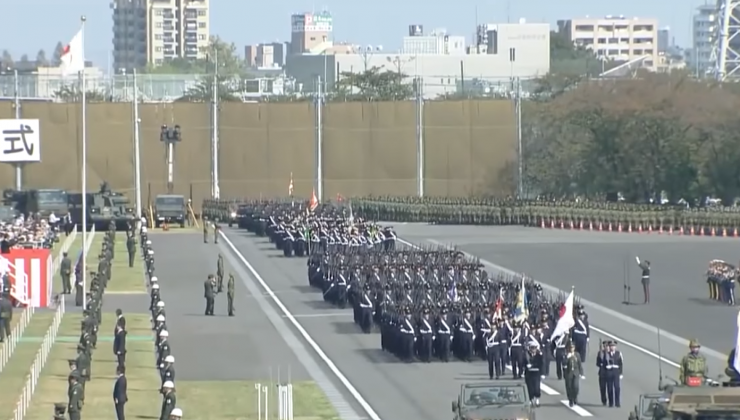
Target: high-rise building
[
  {"x": 153, "y": 31},
  {"x": 664, "y": 39},
  {"x": 266, "y": 55},
  {"x": 704, "y": 33},
  {"x": 310, "y": 32},
  {"x": 616, "y": 37},
  {"x": 437, "y": 42}
]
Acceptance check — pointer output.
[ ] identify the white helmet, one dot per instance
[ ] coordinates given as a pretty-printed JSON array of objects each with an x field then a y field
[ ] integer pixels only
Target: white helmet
[
  {"x": 155, "y": 286},
  {"x": 160, "y": 304},
  {"x": 176, "y": 412},
  {"x": 148, "y": 241},
  {"x": 143, "y": 220},
  {"x": 151, "y": 252},
  {"x": 164, "y": 333},
  {"x": 168, "y": 384},
  {"x": 170, "y": 359},
  {"x": 160, "y": 317},
  {"x": 154, "y": 279},
  {"x": 143, "y": 229}
]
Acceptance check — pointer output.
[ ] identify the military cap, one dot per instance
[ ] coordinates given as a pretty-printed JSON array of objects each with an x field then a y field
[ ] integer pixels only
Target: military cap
[
  {"x": 694, "y": 343},
  {"x": 71, "y": 362}
]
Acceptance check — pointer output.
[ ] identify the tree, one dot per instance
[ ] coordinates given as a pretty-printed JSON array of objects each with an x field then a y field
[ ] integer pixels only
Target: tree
[
  {"x": 7, "y": 60},
  {"x": 72, "y": 93},
  {"x": 217, "y": 52},
  {"x": 228, "y": 90},
  {"x": 56, "y": 60},
  {"x": 373, "y": 85},
  {"x": 41, "y": 60}
]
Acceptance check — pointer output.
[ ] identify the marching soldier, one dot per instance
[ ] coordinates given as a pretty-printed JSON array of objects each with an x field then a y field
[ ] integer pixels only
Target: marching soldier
[
  {"x": 572, "y": 372},
  {"x": 533, "y": 373},
  {"x": 426, "y": 338},
  {"x": 693, "y": 369},
  {"x": 466, "y": 336},
  {"x": 407, "y": 337},
  {"x": 216, "y": 231},
  {"x": 444, "y": 336},
  {"x": 496, "y": 348},
  {"x": 560, "y": 355},
  {"x": 169, "y": 400},
  {"x": 205, "y": 231},
  {"x": 230, "y": 294},
  {"x": 220, "y": 272},
  {"x": 516, "y": 352},
  {"x": 366, "y": 311},
  {"x": 601, "y": 365},
  {"x": 645, "y": 278},
  {"x": 581, "y": 335},
  {"x": 131, "y": 248},
  {"x": 614, "y": 366},
  {"x": 65, "y": 271},
  {"x": 210, "y": 294}
]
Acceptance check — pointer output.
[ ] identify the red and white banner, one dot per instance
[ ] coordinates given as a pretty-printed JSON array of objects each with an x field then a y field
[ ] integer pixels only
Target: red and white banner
[{"x": 30, "y": 272}]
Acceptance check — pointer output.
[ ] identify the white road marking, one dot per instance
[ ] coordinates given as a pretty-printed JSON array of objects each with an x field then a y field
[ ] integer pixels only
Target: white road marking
[
  {"x": 311, "y": 342},
  {"x": 326, "y": 315},
  {"x": 577, "y": 409}
]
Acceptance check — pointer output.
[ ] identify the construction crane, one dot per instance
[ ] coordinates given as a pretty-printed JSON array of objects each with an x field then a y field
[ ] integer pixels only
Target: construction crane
[{"x": 726, "y": 52}]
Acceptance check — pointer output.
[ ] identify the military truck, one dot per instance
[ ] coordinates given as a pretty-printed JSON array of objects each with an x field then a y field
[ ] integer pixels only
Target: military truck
[
  {"x": 709, "y": 401},
  {"x": 41, "y": 201},
  {"x": 169, "y": 208},
  {"x": 493, "y": 400}
]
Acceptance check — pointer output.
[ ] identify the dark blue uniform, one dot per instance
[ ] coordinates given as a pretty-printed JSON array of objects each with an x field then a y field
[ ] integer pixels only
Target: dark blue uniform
[{"x": 614, "y": 365}]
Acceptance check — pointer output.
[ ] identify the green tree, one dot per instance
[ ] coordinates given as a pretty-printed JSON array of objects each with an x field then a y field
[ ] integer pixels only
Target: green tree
[
  {"x": 73, "y": 93},
  {"x": 41, "y": 59},
  {"x": 228, "y": 90},
  {"x": 373, "y": 84},
  {"x": 56, "y": 59},
  {"x": 218, "y": 53}
]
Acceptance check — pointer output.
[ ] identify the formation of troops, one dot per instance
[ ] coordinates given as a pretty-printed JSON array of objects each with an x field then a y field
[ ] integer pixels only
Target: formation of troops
[{"x": 722, "y": 280}]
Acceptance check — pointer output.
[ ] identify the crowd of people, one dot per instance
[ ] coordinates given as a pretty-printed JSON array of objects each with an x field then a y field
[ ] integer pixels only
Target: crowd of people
[
  {"x": 721, "y": 279},
  {"x": 27, "y": 233}
]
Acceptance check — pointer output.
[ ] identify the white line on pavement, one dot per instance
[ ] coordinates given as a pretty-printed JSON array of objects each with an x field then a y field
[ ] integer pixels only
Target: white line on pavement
[
  {"x": 311, "y": 342},
  {"x": 326, "y": 315},
  {"x": 577, "y": 408}
]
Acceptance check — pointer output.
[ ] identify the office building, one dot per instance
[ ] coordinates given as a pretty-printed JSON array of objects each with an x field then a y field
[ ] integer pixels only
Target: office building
[
  {"x": 704, "y": 37},
  {"x": 310, "y": 32},
  {"x": 149, "y": 32},
  {"x": 616, "y": 38},
  {"x": 517, "y": 50},
  {"x": 437, "y": 42},
  {"x": 664, "y": 40},
  {"x": 266, "y": 55}
]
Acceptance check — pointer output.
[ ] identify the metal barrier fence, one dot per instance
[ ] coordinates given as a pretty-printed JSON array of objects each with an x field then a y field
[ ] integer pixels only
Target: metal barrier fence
[
  {"x": 285, "y": 402},
  {"x": 8, "y": 347},
  {"x": 24, "y": 402}
]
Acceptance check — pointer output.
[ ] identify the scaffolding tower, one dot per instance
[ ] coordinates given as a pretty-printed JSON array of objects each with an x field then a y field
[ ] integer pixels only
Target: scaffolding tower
[{"x": 726, "y": 52}]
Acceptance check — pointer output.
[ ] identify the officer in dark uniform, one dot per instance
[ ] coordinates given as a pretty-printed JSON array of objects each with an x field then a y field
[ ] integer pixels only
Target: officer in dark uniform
[
  {"x": 220, "y": 273},
  {"x": 131, "y": 248},
  {"x": 216, "y": 231},
  {"x": 230, "y": 291},
  {"x": 119, "y": 346},
  {"x": 466, "y": 338},
  {"x": 645, "y": 278},
  {"x": 167, "y": 372},
  {"x": 76, "y": 397},
  {"x": 169, "y": 399},
  {"x": 444, "y": 335},
  {"x": 533, "y": 372},
  {"x": 407, "y": 337},
  {"x": 581, "y": 334},
  {"x": 163, "y": 349},
  {"x": 120, "y": 392},
  {"x": 65, "y": 271},
  {"x": 210, "y": 294},
  {"x": 614, "y": 370},
  {"x": 366, "y": 310},
  {"x": 83, "y": 363},
  {"x": 495, "y": 348},
  {"x": 425, "y": 340},
  {"x": 560, "y": 354},
  {"x": 516, "y": 351},
  {"x": 79, "y": 290},
  {"x": 572, "y": 373},
  {"x": 600, "y": 364}
]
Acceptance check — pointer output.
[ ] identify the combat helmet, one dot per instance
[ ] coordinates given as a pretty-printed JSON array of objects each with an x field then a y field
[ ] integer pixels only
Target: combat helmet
[{"x": 694, "y": 343}]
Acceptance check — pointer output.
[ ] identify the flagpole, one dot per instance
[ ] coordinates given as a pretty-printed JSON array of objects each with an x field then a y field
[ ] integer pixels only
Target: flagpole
[
  {"x": 137, "y": 156},
  {"x": 84, "y": 169}
]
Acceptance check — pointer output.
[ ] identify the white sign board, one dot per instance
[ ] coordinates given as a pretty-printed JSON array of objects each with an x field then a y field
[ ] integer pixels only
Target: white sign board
[{"x": 20, "y": 141}]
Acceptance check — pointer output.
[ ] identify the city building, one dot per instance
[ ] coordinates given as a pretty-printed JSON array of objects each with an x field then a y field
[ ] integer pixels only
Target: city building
[
  {"x": 437, "y": 42},
  {"x": 310, "y": 32},
  {"x": 517, "y": 50},
  {"x": 704, "y": 31},
  {"x": 664, "y": 39},
  {"x": 616, "y": 38},
  {"x": 266, "y": 55},
  {"x": 149, "y": 32}
]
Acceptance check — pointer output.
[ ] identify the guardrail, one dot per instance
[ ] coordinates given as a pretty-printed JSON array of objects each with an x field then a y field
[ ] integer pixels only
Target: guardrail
[
  {"x": 15, "y": 335},
  {"x": 24, "y": 402}
]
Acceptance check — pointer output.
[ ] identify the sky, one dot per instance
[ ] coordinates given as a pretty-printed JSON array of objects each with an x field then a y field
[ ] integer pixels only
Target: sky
[{"x": 379, "y": 22}]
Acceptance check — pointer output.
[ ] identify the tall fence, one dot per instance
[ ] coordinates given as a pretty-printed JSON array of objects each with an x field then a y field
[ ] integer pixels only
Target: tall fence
[{"x": 368, "y": 148}]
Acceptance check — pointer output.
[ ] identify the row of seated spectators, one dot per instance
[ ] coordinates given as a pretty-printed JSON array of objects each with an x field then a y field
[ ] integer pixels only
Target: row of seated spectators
[{"x": 27, "y": 232}]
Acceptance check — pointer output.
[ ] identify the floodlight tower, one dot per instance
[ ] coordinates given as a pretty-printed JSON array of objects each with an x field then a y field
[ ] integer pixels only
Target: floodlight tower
[
  {"x": 727, "y": 42},
  {"x": 170, "y": 136}
]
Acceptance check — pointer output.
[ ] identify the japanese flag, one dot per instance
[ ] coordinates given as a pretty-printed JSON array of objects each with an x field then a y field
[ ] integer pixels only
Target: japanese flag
[
  {"x": 73, "y": 56},
  {"x": 566, "y": 320}
]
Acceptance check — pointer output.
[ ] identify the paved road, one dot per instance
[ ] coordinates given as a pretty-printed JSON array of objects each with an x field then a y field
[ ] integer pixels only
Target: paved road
[
  {"x": 254, "y": 345},
  {"x": 397, "y": 390}
]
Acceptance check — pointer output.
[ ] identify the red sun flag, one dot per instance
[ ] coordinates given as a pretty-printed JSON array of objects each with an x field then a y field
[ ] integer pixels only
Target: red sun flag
[
  {"x": 314, "y": 203},
  {"x": 561, "y": 312}
]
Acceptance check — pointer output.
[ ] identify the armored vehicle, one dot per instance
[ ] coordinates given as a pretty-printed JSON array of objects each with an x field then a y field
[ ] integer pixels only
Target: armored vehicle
[
  {"x": 492, "y": 401},
  {"x": 707, "y": 402},
  {"x": 103, "y": 207},
  {"x": 170, "y": 208},
  {"x": 40, "y": 201}
]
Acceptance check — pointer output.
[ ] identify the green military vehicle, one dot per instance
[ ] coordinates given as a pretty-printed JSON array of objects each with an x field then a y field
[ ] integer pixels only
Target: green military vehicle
[
  {"x": 170, "y": 208},
  {"x": 43, "y": 201},
  {"x": 492, "y": 401},
  {"x": 712, "y": 400},
  {"x": 103, "y": 207}
]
